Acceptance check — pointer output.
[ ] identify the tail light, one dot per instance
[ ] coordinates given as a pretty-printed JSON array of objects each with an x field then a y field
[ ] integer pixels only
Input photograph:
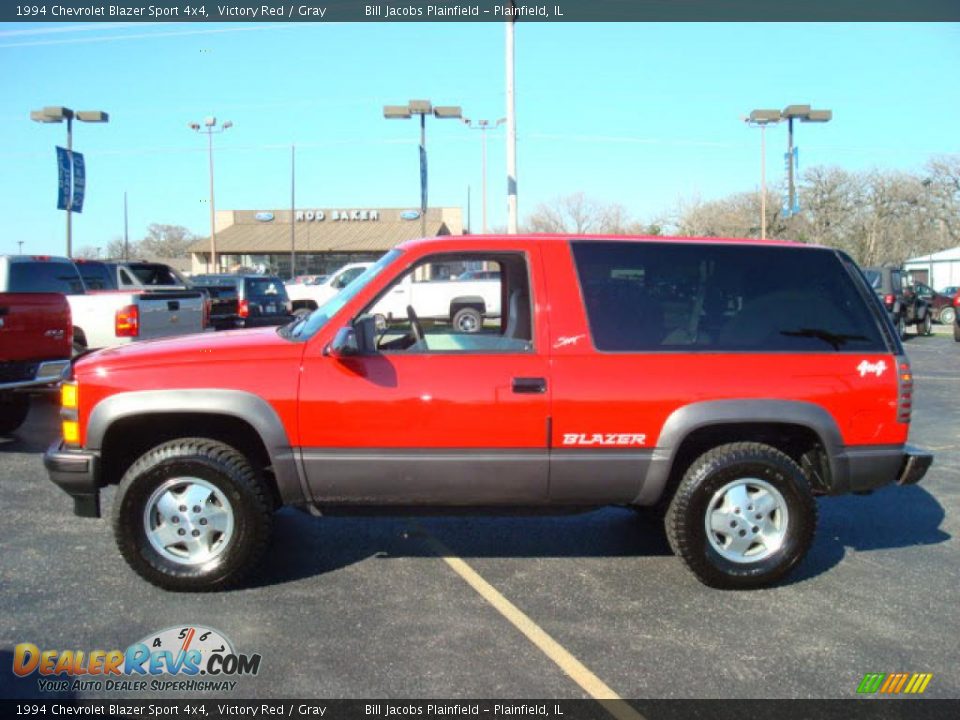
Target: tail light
[
  {"x": 889, "y": 300},
  {"x": 127, "y": 322},
  {"x": 956, "y": 300},
  {"x": 243, "y": 309},
  {"x": 904, "y": 390}
]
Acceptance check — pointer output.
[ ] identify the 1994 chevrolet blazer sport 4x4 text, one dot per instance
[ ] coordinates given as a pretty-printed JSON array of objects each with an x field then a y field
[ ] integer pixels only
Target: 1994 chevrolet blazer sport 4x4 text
[{"x": 722, "y": 382}]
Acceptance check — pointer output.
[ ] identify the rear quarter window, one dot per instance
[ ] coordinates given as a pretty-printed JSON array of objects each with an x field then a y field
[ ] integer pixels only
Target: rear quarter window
[
  {"x": 265, "y": 288},
  {"x": 39, "y": 276},
  {"x": 644, "y": 297}
]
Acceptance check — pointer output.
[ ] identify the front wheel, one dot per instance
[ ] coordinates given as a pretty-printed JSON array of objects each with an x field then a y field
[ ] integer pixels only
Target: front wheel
[
  {"x": 192, "y": 514},
  {"x": 926, "y": 325},
  {"x": 901, "y": 328},
  {"x": 742, "y": 517}
]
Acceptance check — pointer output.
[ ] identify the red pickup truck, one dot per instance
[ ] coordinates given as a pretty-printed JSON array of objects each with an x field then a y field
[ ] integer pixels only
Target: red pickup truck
[
  {"x": 36, "y": 341},
  {"x": 722, "y": 382}
]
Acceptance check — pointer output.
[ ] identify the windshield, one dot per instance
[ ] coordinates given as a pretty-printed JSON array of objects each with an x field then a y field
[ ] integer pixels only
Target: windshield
[{"x": 306, "y": 326}]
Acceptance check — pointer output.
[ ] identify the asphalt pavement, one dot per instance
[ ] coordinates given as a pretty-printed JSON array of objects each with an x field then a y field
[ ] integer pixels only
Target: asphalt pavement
[{"x": 367, "y": 607}]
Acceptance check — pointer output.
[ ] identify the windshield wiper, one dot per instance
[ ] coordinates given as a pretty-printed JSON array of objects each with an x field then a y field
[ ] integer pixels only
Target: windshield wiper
[{"x": 832, "y": 339}]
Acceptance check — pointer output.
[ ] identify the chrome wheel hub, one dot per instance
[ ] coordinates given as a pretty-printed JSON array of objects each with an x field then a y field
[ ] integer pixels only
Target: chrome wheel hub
[
  {"x": 188, "y": 520},
  {"x": 746, "y": 520}
]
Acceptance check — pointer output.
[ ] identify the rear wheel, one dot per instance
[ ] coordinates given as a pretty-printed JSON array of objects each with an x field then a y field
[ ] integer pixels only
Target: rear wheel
[
  {"x": 467, "y": 320},
  {"x": 192, "y": 514},
  {"x": 948, "y": 315},
  {"x": 901, "y": 328},
  {"x": 14, "y": 408},
  {"x": 742, "y": 517},
  {"x": 926, "y": 325}
]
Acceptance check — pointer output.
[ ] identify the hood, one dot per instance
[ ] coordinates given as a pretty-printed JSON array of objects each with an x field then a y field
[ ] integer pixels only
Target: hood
[{"x": 196, "y": 348}]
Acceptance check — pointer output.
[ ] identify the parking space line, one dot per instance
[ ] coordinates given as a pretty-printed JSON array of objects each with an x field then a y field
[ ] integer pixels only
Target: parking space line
[{"x": 578, "y": 672}]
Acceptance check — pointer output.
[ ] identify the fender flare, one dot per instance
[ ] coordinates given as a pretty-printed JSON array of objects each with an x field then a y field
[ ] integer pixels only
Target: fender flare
[
  {"x": 245, "y": 406},
  {"x": 689, "y": 418}
]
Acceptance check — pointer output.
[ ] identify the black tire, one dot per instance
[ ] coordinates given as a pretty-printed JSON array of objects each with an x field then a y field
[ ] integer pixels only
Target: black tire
[
  {"x": 218, "y": 465},
  {"x": 956, "y": 332},
  {"x": 467, "y": 320},
  {"x": 901, "y": 328},
  {"x": 948, "y": 315},
  {"x": 710, "y": 473},
  {"x": 926, "y": 325},
  {"x": 14, "y": 408}
]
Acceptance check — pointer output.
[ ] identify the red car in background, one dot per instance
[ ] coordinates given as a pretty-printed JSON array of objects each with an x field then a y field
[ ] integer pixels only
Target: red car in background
[{"x": 36, "y": 342}]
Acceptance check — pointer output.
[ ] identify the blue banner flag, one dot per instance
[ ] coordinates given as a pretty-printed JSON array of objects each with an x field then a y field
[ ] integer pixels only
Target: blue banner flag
[
  {"x": 63, "y": 166},
  {"x": 79, "y": 182},
  {"x": 423, "y": 179}
]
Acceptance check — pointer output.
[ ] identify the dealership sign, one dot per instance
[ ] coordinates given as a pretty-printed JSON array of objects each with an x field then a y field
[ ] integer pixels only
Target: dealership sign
[{"x": 336, "y": 215}]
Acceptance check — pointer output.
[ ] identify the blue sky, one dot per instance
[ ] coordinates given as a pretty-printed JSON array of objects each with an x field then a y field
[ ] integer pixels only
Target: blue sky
[{"x": 646, "y": 115}]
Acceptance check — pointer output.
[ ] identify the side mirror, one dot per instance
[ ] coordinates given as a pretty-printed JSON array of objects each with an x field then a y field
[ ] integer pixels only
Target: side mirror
[{"x": 344, "y": 344}]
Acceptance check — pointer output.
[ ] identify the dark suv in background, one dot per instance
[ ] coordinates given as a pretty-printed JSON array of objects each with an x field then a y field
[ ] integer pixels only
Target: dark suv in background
[
  {"x": 941, "y": 306},
  {"x": 262, "y": 299},
  {"x": 904, "y": 305}
]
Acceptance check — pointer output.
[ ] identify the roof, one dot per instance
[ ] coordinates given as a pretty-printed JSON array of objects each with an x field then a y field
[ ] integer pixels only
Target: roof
[
  {"x": 948, "y": 254},
  {"x": 467, "y": 240},
  {"x": 249, "y": 236}
]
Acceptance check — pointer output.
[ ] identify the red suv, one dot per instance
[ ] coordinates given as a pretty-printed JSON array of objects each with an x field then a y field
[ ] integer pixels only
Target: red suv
[{"x": 724, "y": 382}]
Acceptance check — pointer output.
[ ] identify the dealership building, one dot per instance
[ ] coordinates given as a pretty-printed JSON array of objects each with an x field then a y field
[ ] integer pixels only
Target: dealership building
[{"x": 324, "y": 239}]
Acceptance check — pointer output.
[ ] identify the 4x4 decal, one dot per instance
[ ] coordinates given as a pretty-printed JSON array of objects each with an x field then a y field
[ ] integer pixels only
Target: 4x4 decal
[{"x": 866, "y": 367}]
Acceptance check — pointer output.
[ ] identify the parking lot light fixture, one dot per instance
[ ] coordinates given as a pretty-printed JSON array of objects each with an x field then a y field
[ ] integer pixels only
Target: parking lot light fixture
[
  {"x": 760, "y": 119},
  {"x": 422, "y": 108},
  {"x": 483, "y": 126},
  {"x": 56, "y": 114},
  {"x": 210, "y": 125}
]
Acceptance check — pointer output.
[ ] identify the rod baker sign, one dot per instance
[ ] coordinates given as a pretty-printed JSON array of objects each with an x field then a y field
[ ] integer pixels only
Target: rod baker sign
[{"x": 197, "y": 658}]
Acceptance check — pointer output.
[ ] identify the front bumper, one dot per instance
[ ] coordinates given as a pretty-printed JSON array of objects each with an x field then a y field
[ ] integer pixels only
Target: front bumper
[
  {"x": 868, "y": 468},
  {"x": 77, "y": 472}
]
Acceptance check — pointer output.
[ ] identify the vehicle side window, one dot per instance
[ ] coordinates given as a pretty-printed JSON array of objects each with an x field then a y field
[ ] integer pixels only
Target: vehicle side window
[
  {"x": 653, "y": 296},
  {"x": 426, "y": 311},
  {"x": 125, "y": 279}
]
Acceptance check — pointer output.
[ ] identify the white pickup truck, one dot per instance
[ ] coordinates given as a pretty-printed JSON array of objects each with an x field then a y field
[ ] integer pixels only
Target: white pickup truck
[
  {"x": 465, "y": 303},
  {"x": 306, "y": 297},
  {"x": 102, "y": 319}
]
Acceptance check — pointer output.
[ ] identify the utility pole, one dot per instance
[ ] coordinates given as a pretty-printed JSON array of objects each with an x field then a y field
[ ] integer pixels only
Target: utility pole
[
  {"x": 760, "y": 119},
  {"x": 483, "y": 126},
  {"x": 293, "y": 212},
  {"x": 126, "y": 235}
]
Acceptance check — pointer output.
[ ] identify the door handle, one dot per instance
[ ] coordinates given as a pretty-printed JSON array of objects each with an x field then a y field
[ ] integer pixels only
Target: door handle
[{"x": 532, "y": 385}]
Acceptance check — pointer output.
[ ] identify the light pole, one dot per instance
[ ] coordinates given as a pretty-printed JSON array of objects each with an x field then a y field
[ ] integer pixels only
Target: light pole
[
  {"x": 512, "y": 221},
  {"x": 483, "y": 126},
  {"x": 56, "y": 114},
  {"x": 210, "y": 123},
  {"x": 804, "y": 114},
  {"x": 760, "y": 119},
  {"x": 422, "y": 108}
]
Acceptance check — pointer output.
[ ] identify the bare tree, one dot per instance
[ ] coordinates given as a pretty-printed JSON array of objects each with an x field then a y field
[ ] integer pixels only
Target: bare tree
[
  {"x": 166, "y": 241},
  {"x": 579, "y": 214}
]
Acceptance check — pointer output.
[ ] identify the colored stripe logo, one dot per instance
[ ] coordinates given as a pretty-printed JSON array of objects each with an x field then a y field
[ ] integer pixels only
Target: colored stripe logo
[{"x": 894, "y": 683}]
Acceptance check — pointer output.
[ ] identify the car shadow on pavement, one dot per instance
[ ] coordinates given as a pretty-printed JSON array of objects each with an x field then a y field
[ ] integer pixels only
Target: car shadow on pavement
[
  {"x": 305, "y": 547},
  {"x": 872, "y": 522}
]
